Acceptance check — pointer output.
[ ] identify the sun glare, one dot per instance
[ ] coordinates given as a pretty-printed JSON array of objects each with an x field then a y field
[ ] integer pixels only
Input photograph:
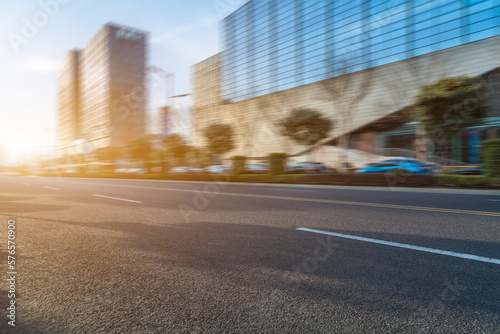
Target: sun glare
[{"x": 25, "y": 148}]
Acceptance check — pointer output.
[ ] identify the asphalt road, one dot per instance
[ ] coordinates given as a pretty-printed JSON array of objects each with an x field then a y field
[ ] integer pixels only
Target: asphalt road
[{"x": 127, "y": 256}]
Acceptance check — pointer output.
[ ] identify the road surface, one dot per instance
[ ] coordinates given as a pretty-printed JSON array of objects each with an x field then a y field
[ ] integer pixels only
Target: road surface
[{"x": 130, "y": 256}]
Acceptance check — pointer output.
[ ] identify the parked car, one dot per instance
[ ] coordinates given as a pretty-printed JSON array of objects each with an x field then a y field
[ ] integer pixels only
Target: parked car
[
  {"x": 130, "y": 171},
  {"x": 137, "y": 170},
  {"x": 403, "y": 165},
  {"x": 346, "y": 165},
  {"x": 184, "y": 170},
  {"x": 257, "y": 168},
  {"x": 476, "y": 170},
  {"x": 217, "y": 169},
  {"x": 307, "y": 168}
]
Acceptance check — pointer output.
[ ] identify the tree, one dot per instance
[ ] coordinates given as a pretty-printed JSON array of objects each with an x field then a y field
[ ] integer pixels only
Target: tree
[
  {"x": 306, "y": 126},
  {"x": 403, "y": 83},
  {"x": 175, "y": 146},
  {"x": 140, "y": 149},
  {"x": 273, "y": 108},
  {"x": 219, "y": 138},
  {"x": 450, "y": 105}
]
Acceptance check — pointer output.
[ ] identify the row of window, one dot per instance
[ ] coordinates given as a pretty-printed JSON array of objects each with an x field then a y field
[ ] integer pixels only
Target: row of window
[
  {"x": 256, "y": 38},
  {"x": 284, "y": 58},
  {"x": 431, "y": 10},
  {"x": 305, "y": 43},
  {"x": 373, "y": 22}
]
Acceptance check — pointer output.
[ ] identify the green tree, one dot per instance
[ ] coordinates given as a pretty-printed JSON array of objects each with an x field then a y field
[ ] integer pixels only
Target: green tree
[
  {"x": 219, "y": 138},
  {"x": 175, "y": 145},
  {"x": 448, "y": 106},
  {"x": 306, "y": 126}
]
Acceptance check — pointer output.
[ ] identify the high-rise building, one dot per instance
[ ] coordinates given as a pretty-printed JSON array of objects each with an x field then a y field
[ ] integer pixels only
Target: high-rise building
[
  {"x": 68, "y": 99},
  {"x": 358, "y": 62},
  {"x": 110, "y": 98},
  {"x": 206, "y": 82}
]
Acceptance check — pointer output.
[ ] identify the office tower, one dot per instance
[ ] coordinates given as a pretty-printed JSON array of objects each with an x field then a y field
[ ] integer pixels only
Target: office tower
[
  {"x": 109, "y": 88},
  {"x": 206, "y": 83},
  {"x": 68, "y": 99}
]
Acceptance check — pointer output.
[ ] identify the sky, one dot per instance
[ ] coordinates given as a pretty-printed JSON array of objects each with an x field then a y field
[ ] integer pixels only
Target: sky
[{"x": 36, "y": 34}]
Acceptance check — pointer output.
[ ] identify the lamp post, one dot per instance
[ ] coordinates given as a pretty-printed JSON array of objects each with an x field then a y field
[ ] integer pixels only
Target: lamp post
[{"x": 184, "y": 119}]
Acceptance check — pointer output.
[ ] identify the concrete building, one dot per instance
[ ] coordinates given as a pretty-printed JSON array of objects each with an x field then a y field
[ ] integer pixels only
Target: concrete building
[
  {"x": 109, "y": 89},
  {"x": 206, "y": 82},
  {"x": 68, "y": 99},
  {"x": 361, "y": 63}
]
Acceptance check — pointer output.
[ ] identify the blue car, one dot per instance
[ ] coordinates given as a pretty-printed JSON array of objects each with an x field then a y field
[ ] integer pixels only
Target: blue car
[{"x": 400, "y": 165}]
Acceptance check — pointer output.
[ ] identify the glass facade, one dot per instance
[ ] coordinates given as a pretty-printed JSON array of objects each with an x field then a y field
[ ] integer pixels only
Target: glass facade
[
  {"x": 68, "y": 103},
  {"x": 113, "y": 71},
  {"x": 272, "y": 45},
  {"x": 206, "y": 88}
]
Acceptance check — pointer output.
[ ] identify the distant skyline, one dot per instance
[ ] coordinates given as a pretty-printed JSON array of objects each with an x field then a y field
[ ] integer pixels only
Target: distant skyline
[{"x": 37, "y": 34}]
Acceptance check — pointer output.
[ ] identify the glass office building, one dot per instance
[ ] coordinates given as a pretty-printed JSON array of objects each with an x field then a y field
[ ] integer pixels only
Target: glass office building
[
  {"x": 272, "y": 45},
  {"x": 113, "y": 72},
  {"x": 102, "y": 89},
  {"x": 68, "y": 99},
  {"x": 206, "y": 92}
]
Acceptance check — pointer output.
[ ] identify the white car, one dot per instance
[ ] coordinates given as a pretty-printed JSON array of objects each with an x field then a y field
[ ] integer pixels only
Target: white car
[
  {"x": 217, "y": 169},
  {"x": 180, "y": 170},
  {"x": 257, "y": 168},
  {"x": 184, "y": 170}
]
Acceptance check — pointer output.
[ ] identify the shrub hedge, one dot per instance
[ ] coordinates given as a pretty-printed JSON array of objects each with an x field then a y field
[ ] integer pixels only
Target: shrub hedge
[
  {"x": 466, "y": 181},
  {"x": 490, "y": 156},
  {"x": 238, "y": 164},
  {"x": 277, "y": 163}
]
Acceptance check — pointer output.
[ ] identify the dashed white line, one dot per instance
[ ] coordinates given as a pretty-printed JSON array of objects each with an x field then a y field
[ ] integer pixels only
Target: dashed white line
[
  {"x": 397, "y": 244},
  {"x": 52, "y": 188},
  {"x": 285, "y": 189},
  {"x": 494, "y": 200},
  {"x": 119, "y": 199}
]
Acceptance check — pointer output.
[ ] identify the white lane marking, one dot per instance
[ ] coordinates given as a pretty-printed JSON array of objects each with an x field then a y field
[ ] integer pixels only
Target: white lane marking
[
  {"x": 284, "y": 189},
  {"x": 397, "y": 244},
  {"x": 52, "y": 188},
  {"x": 494, "y": 200},
  {"x": 26, "y": 184},
  {"x": 119, "y": 199}
]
